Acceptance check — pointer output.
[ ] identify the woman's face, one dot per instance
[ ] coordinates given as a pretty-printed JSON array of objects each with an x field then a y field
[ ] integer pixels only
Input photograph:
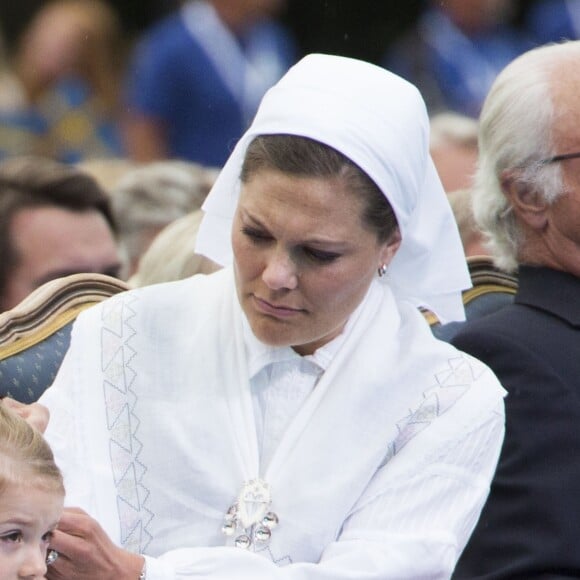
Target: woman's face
[
  {"x": 28, "y": 515},
  {"x": 304, "y": 259}
]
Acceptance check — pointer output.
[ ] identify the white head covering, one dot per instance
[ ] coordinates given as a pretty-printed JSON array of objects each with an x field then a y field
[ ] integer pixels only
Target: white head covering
[{"x": 380, "y": 122}]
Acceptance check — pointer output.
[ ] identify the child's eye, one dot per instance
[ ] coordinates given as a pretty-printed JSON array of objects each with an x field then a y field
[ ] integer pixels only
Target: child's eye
[
  {"x": 11, "y": 537},
  {"x": 48, "y": 536}
]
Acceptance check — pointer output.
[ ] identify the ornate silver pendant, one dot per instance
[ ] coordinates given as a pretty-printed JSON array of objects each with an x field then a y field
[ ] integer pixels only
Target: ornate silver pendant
[{"x": 250, "y": 520}]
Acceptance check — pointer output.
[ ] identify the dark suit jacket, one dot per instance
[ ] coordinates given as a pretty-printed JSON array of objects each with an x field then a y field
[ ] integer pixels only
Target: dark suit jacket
[{"x": 530, "y": 526}]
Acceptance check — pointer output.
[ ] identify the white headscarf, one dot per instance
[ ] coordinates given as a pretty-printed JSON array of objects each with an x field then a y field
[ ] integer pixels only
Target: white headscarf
[{"x": 379, "y": 121}]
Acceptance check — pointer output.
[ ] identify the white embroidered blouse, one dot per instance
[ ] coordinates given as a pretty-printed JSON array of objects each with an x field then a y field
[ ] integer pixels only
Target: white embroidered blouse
[{"x": 378, "y": 450}]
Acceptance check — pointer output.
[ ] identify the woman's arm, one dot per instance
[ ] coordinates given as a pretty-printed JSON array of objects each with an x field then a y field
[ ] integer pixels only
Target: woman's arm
[{"x": 412, "y": 522}]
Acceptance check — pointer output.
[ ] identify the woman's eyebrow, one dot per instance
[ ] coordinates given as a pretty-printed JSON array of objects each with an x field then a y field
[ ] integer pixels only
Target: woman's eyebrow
[
  {"x": 314, "y": 240},
  {"x": 246, "y": 214}
]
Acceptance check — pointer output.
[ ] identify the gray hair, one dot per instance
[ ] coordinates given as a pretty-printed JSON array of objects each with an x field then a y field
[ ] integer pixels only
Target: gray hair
[
  {"x": 515, "y": 133},
  {"x": 149, "y": 197}
]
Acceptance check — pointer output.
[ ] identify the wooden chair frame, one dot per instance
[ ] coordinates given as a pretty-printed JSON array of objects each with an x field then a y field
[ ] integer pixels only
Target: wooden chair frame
[{"x": 51, "y": 307}]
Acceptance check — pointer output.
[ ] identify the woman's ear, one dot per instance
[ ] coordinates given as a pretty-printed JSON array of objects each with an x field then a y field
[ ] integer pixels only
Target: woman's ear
[
  {"x": 390, "y": 247},
  {"x": 528, "y": 204}
]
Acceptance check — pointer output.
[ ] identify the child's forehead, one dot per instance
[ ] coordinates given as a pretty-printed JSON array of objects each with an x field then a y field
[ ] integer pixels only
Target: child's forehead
[
  {"x": 23, "y": 481},
  {"x": 34, "y": 486},
  {"x": 29, "y": 503},
  {"x": 28, "y": 472}
]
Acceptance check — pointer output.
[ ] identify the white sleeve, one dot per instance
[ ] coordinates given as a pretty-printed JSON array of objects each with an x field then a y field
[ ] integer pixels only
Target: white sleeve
[
  {"x": 412, "y": 521},
  {"x": 62, "y": 434},
  {"x": 402, "y": 528}
]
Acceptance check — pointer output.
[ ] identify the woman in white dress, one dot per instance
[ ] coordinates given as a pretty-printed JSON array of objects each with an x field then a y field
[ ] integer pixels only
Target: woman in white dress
[{"x": 290, "y": 416}]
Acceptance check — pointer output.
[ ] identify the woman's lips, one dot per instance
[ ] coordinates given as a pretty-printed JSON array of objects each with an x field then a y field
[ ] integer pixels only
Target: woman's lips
[{"x": 276, "y": 310}]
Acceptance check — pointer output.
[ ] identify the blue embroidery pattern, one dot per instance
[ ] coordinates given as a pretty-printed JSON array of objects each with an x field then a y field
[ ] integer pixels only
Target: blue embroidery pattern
[
  {"x": 450, "y": 384},
  {"x": 119, "y": 379}
]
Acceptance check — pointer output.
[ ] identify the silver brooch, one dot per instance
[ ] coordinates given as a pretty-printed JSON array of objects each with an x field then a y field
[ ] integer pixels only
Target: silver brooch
[{"x": 249, "y": 521}]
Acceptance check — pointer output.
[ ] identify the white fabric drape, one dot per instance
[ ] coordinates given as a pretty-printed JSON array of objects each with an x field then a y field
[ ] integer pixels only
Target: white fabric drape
[
  {"x": 381, "y": 474},
  {"x": 379, "y": 121}
]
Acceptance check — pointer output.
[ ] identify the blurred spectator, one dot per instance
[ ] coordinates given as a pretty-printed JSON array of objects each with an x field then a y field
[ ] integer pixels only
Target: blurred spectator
[
  {"x": 148, "y": 198},
  {"x": 60, "y": 95},
  {"x": 553, "y": 20},
  {"x": 171, "y": 255},
  {"x": 3, "y": 63},
  {"x": 198, "y": 76},
  {"x": 471, "y": 236},
  {"x": 54, "y": 221},
  {"x": 455, "y": 51},
  {"x": 9, "y": 92},
  {"x": 108, "y": 171},
  {"x": 453, "y": 148}
]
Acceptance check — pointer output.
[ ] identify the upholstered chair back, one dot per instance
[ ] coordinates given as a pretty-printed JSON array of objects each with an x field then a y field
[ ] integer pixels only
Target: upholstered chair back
[{"x": 35, "y": 334}]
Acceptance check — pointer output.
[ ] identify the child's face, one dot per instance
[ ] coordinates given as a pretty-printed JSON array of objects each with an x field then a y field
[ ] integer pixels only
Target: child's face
[{"x": 28, "y": 515}]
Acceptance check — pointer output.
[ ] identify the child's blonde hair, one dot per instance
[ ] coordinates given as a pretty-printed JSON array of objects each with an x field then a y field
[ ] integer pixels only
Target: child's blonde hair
[{"x": 25, "y": 456}]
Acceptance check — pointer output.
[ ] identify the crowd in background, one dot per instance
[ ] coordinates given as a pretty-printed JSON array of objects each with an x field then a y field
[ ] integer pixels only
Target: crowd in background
[
  {"x": 101, "y": 79},
  {"x": 358, "y": 28},
  {"x": 92, "y": 78},
  {"x": 109, "y": 88},
  {"x": 94, "y": 81},
  {"x": 116, "y": 122}
]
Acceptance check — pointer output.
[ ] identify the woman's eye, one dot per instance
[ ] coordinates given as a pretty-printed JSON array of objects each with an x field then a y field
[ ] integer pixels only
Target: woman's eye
[
  {"x": 256, "y": 235},
  {"x": 321, "y": 256},
  {"x": 11, "y": 537}
]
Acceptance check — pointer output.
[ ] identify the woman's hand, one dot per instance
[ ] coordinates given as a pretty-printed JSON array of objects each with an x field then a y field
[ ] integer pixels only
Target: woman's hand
[
  {"x": 35, "y": 414},
  {"x": 86, "y": 552}
]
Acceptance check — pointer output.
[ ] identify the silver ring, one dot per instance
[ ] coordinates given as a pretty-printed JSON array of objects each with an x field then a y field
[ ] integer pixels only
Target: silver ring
[{"x": 51, "y": 557}]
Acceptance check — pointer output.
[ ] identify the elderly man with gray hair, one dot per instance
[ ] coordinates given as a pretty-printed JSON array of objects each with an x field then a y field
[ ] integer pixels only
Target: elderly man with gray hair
[{"x": 527, "y": 201}]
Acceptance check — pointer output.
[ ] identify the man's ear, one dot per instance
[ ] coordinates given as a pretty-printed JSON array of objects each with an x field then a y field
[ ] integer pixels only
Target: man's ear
[{"x": 528, "y": 205}]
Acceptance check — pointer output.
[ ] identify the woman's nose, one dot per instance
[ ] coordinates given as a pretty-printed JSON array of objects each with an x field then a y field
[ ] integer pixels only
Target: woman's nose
[{"x": 280, "y": 271}]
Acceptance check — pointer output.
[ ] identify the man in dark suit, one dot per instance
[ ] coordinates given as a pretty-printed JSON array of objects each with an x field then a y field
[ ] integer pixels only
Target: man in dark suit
[{"x": 527, "y": 201}]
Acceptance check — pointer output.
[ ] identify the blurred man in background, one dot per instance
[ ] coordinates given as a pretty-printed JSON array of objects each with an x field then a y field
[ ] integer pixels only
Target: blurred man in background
[{"x": 54, "y": 221}]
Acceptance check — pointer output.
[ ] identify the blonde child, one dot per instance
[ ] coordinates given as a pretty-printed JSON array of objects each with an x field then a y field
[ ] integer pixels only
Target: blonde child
[{"x": 31, "y": 499}]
